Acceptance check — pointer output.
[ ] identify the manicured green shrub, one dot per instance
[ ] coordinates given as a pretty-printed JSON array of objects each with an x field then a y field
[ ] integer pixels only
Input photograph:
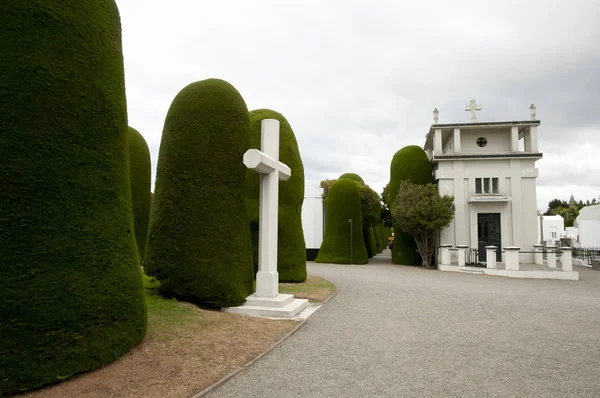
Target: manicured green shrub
[
  {"x": 291, "y": 251},
  {"x": 199, "y": 236},
  {"x": 371, "y": 242},
  {"x": 353, "y": 177},
  {"x": 409, "y": 164},
  {"x": 377, "y": 236},
  {"x": 71, "y": 297},
  {"x": 140, "y": 175},
  {"x": 343, "y": 203}
]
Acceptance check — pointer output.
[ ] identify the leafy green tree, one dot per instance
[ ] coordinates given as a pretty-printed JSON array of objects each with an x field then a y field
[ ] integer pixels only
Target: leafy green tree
[
  {"x": 409, "y": 164},
  {"x": 420, "y": 211},
  {"x": 71, "y": 298},
  {"x": 386, "y": 215},
  {"x": 555, "y": 204}
]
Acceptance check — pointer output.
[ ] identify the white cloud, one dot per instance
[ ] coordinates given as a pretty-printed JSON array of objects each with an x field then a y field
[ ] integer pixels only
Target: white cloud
[{"x": 358, "y": 80}]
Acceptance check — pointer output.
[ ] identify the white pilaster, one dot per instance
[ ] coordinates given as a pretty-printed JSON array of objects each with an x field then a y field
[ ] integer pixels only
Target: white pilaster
[
  {"x": 514, "y": 139},
  {"x": 533, "y": 138},
  {"x": 437, "y": 142},
  {"x": 456, "y": 138}
]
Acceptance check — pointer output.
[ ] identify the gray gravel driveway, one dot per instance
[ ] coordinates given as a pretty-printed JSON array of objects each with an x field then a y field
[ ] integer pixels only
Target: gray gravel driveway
[{"x": 397, "y": 331}]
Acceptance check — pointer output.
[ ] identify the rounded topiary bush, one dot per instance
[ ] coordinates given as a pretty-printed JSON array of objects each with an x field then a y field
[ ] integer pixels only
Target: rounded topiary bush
[
  {"x": 353, "y": 177},
  {"x": 343, "y": 203},
  {"x": 71, "y": 297},
  {"x": 409, "y": 164},
  {"x": 140, "y": 175},
  {"x": 199, "y": 236},
  {"x": 291, "y": 250}
]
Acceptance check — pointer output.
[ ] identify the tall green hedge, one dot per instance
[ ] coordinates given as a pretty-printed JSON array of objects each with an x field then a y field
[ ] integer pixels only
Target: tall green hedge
[
  {"x": 353, "y": 177},
  {"x": 343, "y": 203},
  {"x": 199, "y": 236},
  {"x": 71, "y": 297},
  {"x": 409, "y": 164},
  {"x": 291, "y": 251},
  {"x": 140, "y": 175},
  {"x": 377, "y": 236}
]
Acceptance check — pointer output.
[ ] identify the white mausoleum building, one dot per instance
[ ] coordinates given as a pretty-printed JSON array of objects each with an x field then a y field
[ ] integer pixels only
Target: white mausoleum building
[{"x": 489, "y": 168}]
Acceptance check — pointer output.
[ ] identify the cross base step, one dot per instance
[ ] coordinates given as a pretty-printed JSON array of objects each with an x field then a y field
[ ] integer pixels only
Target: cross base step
[
  {"x": 470, "y": 270},
  {"x": 282, "y": 306}
]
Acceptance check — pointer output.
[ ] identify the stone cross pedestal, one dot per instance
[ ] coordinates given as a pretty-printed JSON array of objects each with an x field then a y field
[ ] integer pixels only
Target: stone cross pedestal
[{"x": 267, "y": 301}]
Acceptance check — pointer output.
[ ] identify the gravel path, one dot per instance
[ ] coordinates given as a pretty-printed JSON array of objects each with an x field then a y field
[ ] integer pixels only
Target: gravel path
[{"x": 405, "y": 331}]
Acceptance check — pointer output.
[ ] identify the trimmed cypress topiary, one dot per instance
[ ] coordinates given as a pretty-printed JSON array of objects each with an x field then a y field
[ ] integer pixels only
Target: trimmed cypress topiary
[
  {"x": 409, "y": 164},
  {"x": 291, "y": 251},
  {"x": 353, "y": 177},
  {"x": 199, "y": 236},
  {"x": 377, "y": 235},
  {"x": 140, "y": 175},
  {"x": 71, "y": 297},
  {"x": 343, "y": 203}
]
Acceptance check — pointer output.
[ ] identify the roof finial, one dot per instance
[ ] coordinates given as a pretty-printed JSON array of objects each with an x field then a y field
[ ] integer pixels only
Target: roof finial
[
  {"x": 532, "y": 111},
  {"x": 436, "y": 115}
]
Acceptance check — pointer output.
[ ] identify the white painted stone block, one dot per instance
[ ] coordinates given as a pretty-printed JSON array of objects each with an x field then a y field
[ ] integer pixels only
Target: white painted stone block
[
  {"x": 490, "y": 252},
  {"x": 539, "y": 255},
  {"x": 445, "y": 254},
  {"x": 512, "y": 258},
  {"x": 462, "y": 254},
  {"x": 567, "y": 258},
  {"x": 551, "y": 256}
]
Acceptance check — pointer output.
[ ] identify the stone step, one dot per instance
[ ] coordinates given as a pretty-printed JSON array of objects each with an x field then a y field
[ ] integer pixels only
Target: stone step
[
  {"x": 290, "y": 310},
  {"x": 470, "y": 270},
  {"x": 281, "y": 300}
]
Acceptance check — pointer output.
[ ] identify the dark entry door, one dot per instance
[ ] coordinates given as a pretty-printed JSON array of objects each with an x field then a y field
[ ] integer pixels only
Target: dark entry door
[{"x": 488, "y": 234}]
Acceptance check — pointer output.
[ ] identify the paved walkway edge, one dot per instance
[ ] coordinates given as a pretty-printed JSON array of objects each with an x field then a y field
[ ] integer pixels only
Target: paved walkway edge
[{"x": 284, "y": 338}]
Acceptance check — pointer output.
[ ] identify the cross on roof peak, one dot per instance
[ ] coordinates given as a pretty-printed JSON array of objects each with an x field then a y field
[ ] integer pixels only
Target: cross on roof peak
[{"x": 473, "y": 108}]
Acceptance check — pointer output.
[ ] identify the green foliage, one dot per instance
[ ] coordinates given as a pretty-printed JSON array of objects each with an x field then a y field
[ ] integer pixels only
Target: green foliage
[
  {"x": 420, "y": 211},
  {"x": 139, "y": 174},
  {"x": 386, "y": 214},
  {"x": 377, "y": 236},
  {"x": 555, "y": 204},
  {"x": 343, "y": 204},
  {"x": 71, "y": 297},
  {"x": 409, "y": 164},
  {"x": 199, "y": 236},
  {"x": 291, "y": 252},
  {"x": 353, "y": 177}
]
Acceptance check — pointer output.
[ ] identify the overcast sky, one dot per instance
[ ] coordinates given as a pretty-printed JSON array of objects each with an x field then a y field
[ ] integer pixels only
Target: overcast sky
[{"x": 358, "y": 80}]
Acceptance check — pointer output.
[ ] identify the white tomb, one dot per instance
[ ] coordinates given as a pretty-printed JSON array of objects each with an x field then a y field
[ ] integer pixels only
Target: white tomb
[
  {"x": 588, "y": 224},
  {"x": 313, "y": 221},
  {"x": 267, "y": 301},
  {"x": 489, "y": 168}
]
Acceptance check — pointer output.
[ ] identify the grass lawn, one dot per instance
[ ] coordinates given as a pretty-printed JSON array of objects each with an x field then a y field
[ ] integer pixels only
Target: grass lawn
[{"x": 186, "y": 349}]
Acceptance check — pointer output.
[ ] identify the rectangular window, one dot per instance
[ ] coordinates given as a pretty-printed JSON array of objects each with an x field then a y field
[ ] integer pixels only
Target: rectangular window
[{"x": 487, "y": 185}]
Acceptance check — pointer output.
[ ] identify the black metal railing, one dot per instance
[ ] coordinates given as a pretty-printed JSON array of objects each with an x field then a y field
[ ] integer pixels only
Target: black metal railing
[{"x": 586, "y": 254}]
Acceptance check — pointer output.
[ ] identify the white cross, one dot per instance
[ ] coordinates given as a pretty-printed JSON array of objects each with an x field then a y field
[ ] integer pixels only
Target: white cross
[
  {"x": 473, "y": 108},
  {"x": 271, "y": 171}
]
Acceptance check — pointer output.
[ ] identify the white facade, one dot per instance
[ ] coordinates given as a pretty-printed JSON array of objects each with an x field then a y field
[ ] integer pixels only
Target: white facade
[
  {"x": 553, "y": 228},
  {"x": 489, "y": 168},
  {"x": 313, "y": 219},
  {"x": 588, "y": 224}
]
